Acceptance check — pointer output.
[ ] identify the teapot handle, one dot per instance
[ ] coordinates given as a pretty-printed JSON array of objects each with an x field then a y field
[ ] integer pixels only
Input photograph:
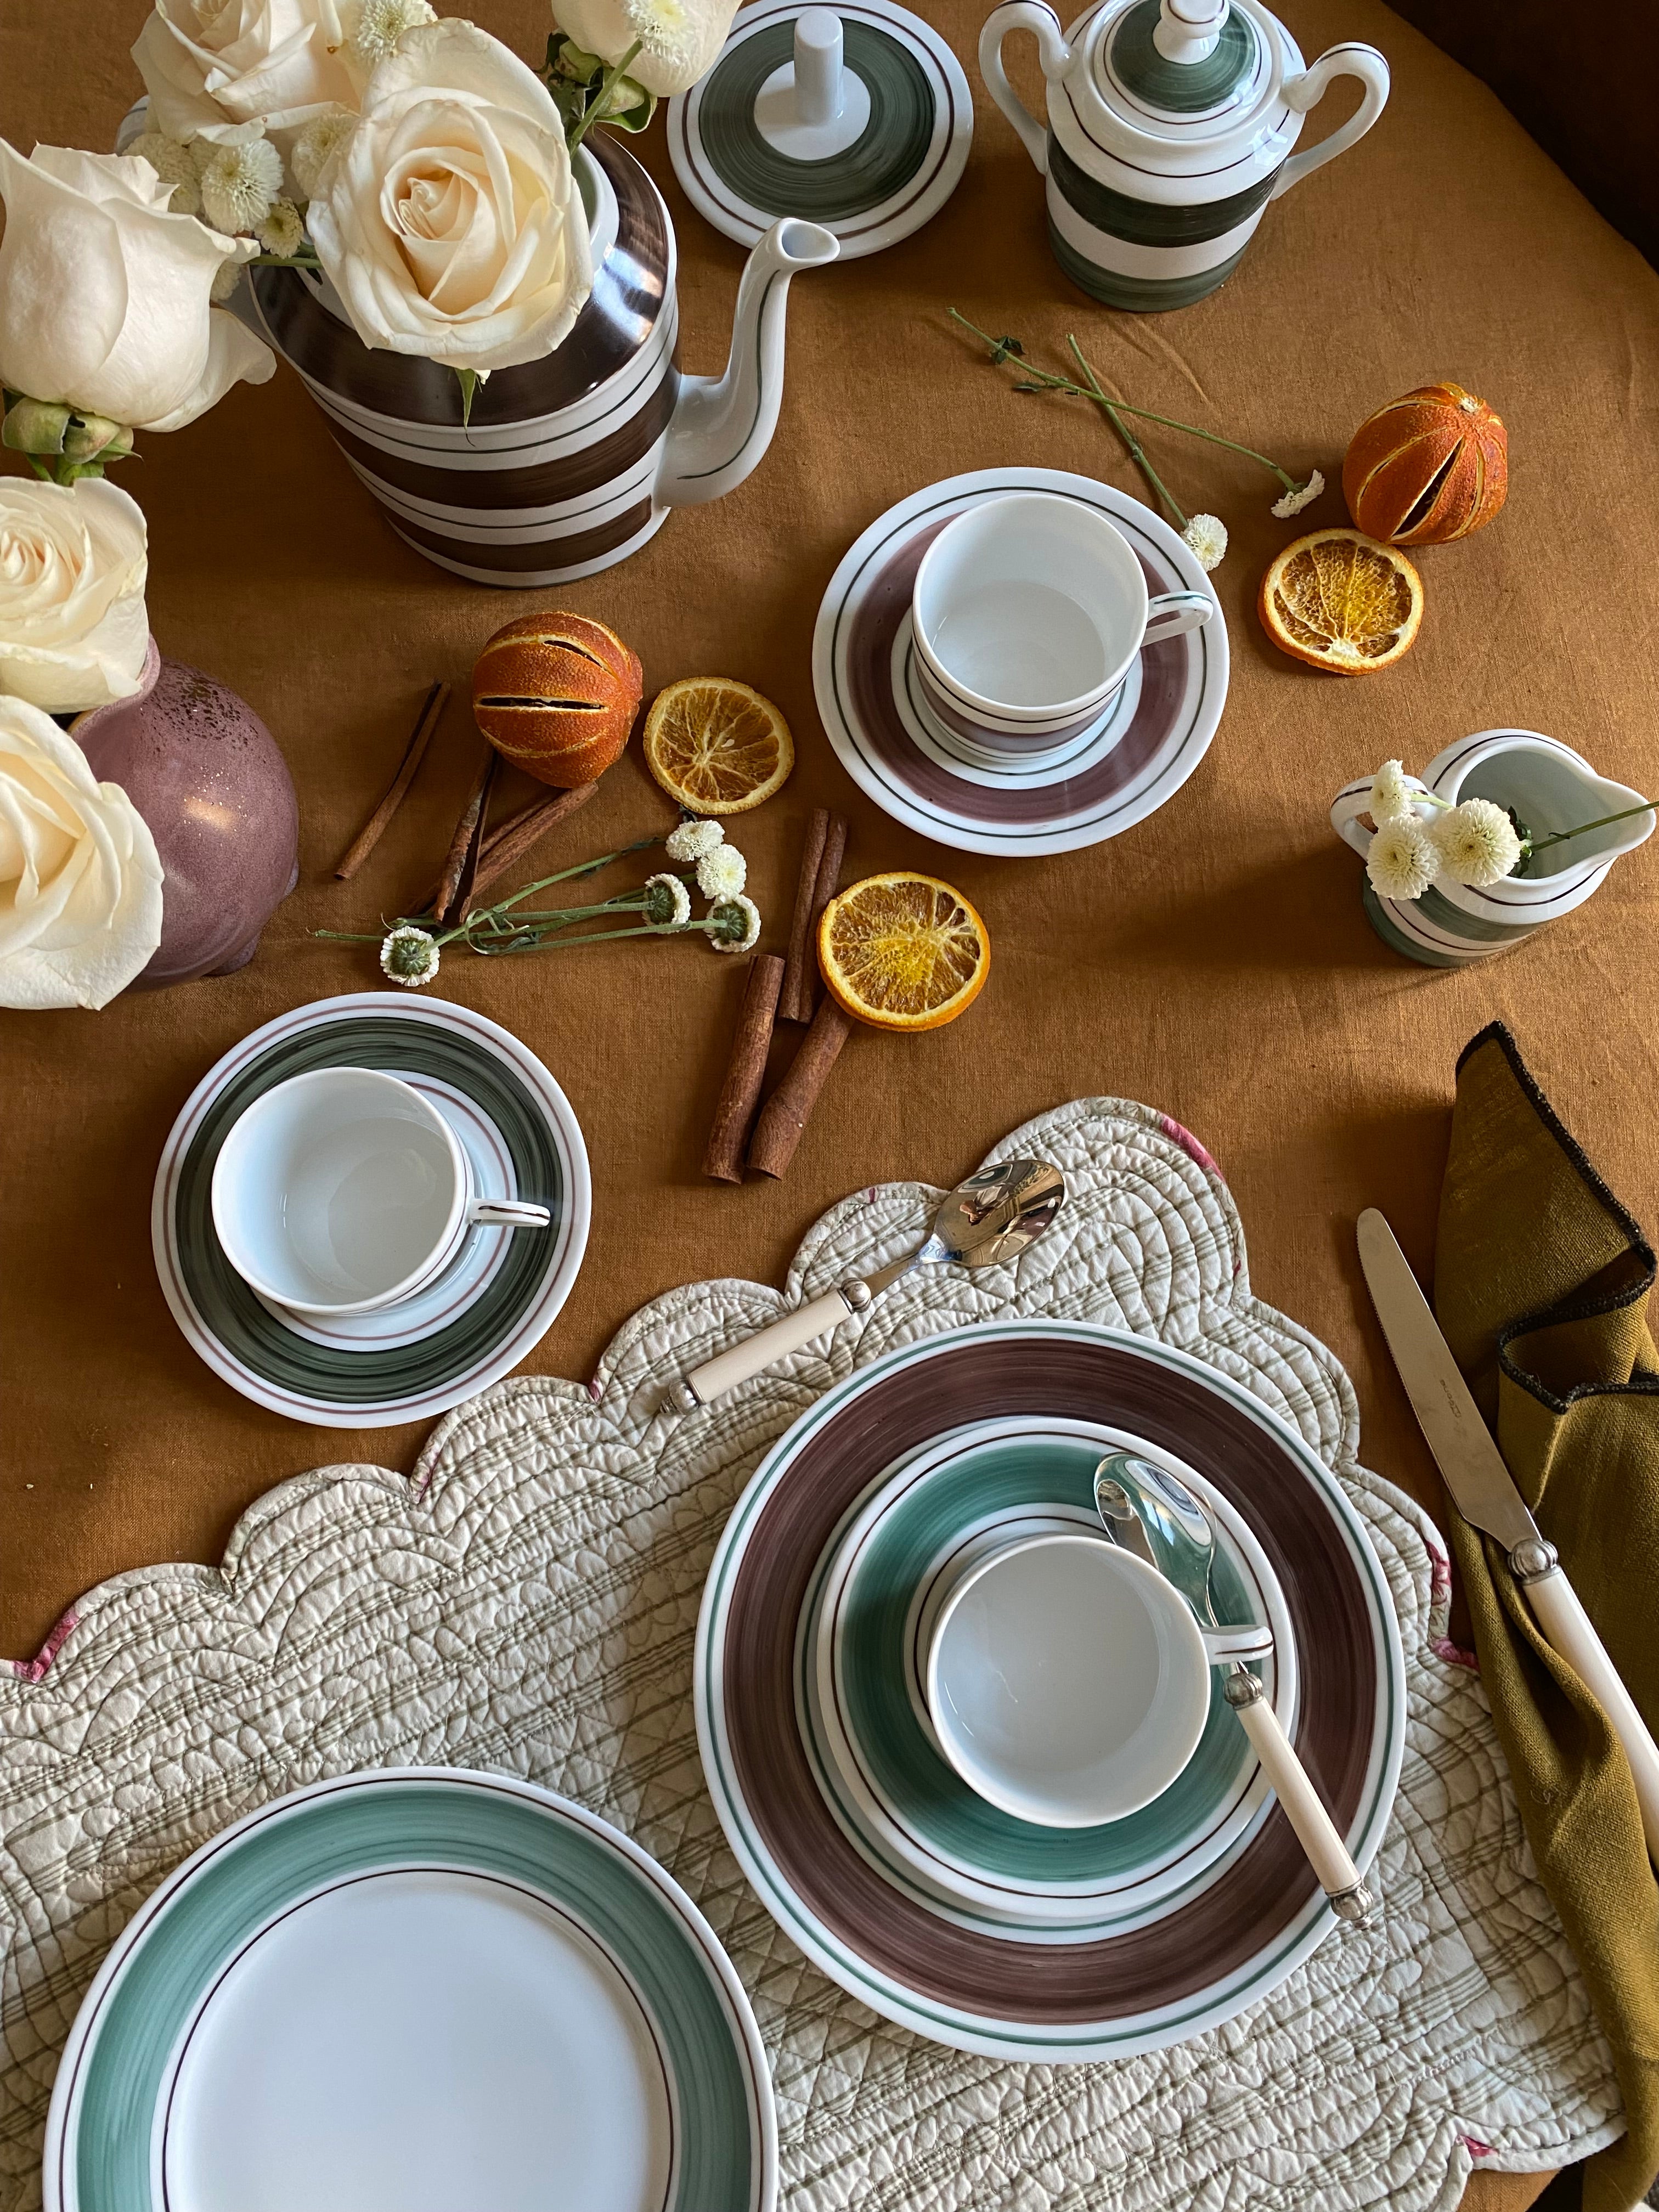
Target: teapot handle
[
  {"x": 1302, "y": 93},
  {"x": 1055, "y": 56}
]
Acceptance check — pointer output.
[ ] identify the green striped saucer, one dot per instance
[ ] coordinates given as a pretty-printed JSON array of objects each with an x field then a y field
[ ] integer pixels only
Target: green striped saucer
[
  {"x": 422, "y": 1988},
  {"x": 487, "y": 1310},
  {"x": 903, "y": 162},
  {"x": 863, "y": 1712}
]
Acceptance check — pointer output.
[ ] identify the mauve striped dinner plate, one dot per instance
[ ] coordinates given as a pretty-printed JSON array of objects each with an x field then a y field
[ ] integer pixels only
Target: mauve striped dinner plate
[
  {"x": 869, "y": 707},
  {"x": 489, "y": 1307},
  {"x": 1205, "y": 1953}
]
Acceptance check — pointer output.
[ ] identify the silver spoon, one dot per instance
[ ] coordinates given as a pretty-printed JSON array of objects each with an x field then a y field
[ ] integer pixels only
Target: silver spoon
[
  {"x": 984, "y": 1222},
  {"x": 1152, "y": 1514}
]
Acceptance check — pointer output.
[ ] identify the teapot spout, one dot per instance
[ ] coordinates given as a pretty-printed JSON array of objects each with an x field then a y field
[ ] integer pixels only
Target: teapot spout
[{"x": 722, "y": 425}]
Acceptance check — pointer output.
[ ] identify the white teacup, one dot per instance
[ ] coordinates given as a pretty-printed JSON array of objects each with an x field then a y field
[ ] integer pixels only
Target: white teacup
[
  {"x": 1067, "y": 1682},
  {"x": 1028, "y": 611},
  {"x": 344, "y": 1190}
]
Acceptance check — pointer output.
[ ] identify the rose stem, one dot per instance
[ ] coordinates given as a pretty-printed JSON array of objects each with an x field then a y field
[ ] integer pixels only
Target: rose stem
[{"x": 414, "y": 753}]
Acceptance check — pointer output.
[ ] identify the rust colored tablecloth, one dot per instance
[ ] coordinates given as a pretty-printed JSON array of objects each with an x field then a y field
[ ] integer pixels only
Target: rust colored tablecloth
[{"x": 1214, "y": 960}]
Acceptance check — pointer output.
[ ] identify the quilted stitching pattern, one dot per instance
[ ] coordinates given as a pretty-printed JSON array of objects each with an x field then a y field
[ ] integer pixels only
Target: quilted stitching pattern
[{"x": 527, "y": 1602}]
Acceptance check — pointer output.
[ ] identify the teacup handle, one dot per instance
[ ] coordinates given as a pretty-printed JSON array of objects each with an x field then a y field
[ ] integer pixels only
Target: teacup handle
[
  {"x": 1302, "y": 93},
  {"x": 509, "y": 1214},
  {"x": 1252, "y": 1640},
  {"x": 1172, "y": 613},
  {"x": 1350, "y": 803},
  {"x": 1053, "y": 51}
]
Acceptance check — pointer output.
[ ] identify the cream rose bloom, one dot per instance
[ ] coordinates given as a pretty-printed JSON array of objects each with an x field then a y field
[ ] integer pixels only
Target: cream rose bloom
[
  {"x": 679, "y": 41},
  {"x": 79, "y": 878},
  {"x": 73, "y": 559},
  {"x": 105, "y": 295},
  {"x": 447, "y": 218},
  {"x": 211, "y": 65}
]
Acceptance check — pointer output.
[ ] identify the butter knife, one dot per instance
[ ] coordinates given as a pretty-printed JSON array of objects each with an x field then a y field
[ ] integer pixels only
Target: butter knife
[{"x": 1483, "y": 1490}]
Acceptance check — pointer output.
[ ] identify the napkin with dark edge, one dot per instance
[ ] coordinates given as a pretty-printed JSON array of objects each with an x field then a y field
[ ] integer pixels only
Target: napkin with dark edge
[{"x": 1540, "y": 1284}]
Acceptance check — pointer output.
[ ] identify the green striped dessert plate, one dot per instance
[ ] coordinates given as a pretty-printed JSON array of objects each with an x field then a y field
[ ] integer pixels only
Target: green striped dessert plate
[
  {"x": 488, "y": 1307},
  {"x": 415, "y": 1991},
  {"x": 863, "y": 1712}
]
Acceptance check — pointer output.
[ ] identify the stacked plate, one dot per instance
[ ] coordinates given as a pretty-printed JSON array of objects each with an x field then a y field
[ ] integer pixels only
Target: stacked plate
[
  {"x": 480, "y": 1318},
  {"x": 415, "y": 1991},
  {"x": 946, "y": 1915}
]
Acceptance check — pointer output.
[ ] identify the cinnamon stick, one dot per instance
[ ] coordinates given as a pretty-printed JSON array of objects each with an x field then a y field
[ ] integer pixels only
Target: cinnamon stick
[
  {"x": 722, "y": 1159},
  {"x": 460, "y": 868},
  {"x": 398, "y": 790},
  {"x": 795, "y": 971},
  {"x": 505, "y": 847},
  {"x": 785, "y": 1115},
  {"x": 829, "y": 883}
]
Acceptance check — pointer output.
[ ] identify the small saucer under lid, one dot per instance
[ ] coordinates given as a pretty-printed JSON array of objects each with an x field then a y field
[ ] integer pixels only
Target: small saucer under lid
[{"x": 857, "y": 118}]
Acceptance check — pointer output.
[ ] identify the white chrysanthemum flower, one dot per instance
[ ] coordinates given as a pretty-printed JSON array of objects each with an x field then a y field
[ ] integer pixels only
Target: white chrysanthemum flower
[
  {"x": 722, "y": 874},
  {"x": 409, "y": 956},
  {"x": 1292, "y": 503},
  {"x": 1391, "y": 795},
  {"x": 677, "y": 40},
  {"x": 1402, "y": 862},
  {"x": 310, "y": 153},
  {"x": 667, "y": 903},
  {"x": 172, "y": 162},
  {"x": 238, "y": 182},
  {"x": 693, "y": 839},
  {"x": 1476, "y": 842},
  {"x": 739, "y": 925},
  {"x": 226, "y": 277},
  {"x": 281, "y": 231},
  {"x": 1207, "y": 536},
  {"x": 381, "y": 23}
]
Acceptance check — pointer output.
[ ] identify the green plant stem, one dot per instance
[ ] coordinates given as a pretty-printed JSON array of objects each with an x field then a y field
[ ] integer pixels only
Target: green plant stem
[
  {"x": 553, "y": 943},
  {"x": 1136, "y": 453},
  {"x": 1560, "y": 836},
  {"x": 282, "y": 261},
  {"x": 595, "y": 106}
]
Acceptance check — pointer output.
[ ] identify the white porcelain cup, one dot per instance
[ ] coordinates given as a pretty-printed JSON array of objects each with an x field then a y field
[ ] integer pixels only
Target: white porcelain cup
[
  {"x": 1067, "y": 1681},
  {"x": 1027, "y": 613},
  {"x": 345, "y": 1190}
]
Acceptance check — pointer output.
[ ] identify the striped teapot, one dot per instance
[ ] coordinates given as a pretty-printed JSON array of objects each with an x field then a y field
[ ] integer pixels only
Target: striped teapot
[
  {"x": 569, "y": 464},
  {"x": 1171, "y": 125}
]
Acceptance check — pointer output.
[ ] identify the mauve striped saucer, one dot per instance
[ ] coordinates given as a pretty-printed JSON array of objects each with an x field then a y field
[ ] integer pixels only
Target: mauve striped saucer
[
  {"x": 1148, "y": 1986},
  {"x": 886, "y": 748}
]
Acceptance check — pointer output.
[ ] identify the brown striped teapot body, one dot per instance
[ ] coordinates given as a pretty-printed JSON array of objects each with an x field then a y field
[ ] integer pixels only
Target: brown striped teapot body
[{"x": 568, "y": 464}]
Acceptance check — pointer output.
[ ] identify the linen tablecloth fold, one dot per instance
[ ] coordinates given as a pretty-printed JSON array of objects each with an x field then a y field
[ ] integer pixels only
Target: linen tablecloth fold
[{"x": 1541, "y": 1283}]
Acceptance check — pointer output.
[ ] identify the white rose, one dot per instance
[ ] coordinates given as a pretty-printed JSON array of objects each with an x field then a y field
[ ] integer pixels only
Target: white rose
[
  {"x": 73, "y": 558},
  {"x": 448, "y": 217},
  {"x": 678, "y": 39},
  {"x": 210, "y": 67},
  {"x": 104, "y": 295},
  {"x": 79, "y": 878}
]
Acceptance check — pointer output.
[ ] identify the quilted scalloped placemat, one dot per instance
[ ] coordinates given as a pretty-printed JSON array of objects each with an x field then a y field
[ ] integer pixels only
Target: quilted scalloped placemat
[{"x": 526, "y": 1601}]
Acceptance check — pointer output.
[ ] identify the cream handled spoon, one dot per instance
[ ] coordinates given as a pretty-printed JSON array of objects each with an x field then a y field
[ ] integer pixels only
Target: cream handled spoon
[
  {"x": 1147, "y": 1510},
  {"x": 985, "y": 1222}
]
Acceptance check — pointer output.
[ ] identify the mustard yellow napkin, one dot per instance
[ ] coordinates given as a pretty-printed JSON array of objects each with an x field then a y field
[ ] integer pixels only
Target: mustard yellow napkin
[{"x": 1541, "y": 1282}]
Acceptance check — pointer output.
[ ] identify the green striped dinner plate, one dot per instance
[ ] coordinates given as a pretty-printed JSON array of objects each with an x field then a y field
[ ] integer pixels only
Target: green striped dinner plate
[
  {"x": 863, "y": 1712},
  {"x": 416, "y": 1359},
  {"x": 416, "y": 1990}
]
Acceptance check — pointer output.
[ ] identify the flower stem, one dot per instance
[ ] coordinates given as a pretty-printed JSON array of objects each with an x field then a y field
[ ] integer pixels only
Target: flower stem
[
  {"x": 595, "y": 106},
  {"x": 1136, "y": 453},
  {"x": 1560, "y": 836},
  {"x": 282, "y": 261}
]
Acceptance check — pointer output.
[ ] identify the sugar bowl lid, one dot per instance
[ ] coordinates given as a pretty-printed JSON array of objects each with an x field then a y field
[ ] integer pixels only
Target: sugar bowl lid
[{"x": 1180, "y": 84}]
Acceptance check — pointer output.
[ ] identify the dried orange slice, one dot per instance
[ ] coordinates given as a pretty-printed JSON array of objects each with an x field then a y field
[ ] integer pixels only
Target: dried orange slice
[
  {"x": 902, "y": 951},
  {"x": 1340, "y": 601},
  {"x": 715, "y": 745}
]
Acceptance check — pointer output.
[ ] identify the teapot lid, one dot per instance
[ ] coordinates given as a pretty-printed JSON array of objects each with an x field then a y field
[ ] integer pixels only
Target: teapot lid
[{"x": 1183, "y": 74}]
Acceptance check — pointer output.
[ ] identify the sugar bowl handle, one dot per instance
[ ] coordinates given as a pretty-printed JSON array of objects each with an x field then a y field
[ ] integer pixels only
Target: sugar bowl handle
[
  {"x": 1306, "y": 91},
  {"x": 1053, "y": 52}
]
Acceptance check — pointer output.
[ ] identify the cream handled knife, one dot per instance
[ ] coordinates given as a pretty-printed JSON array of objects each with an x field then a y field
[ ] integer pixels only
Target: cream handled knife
[{"x": 1483, "y": 1490}]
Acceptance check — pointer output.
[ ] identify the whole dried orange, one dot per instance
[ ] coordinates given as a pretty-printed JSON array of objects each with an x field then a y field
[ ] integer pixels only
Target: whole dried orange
[
  {"x": 902, "y": 951},
  {"x": 1340, "y": 601},
  {"x": 1427, "y": 468}
]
